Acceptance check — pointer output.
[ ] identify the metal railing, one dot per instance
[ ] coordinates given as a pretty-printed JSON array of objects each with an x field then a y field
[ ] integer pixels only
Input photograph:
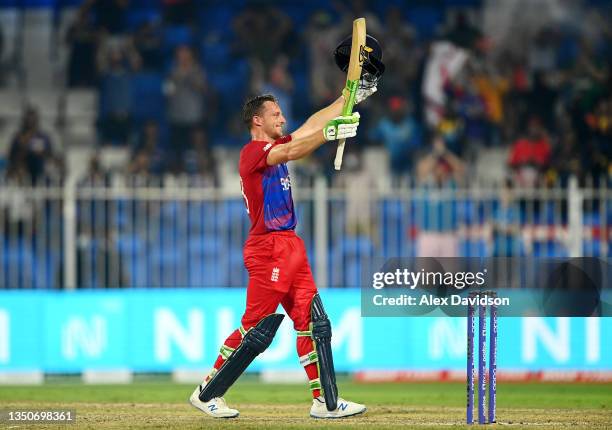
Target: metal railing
[{"x": 145, "y": 233}]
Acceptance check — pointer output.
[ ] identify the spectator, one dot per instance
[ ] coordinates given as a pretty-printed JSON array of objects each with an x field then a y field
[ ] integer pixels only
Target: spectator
[
  {"x": 186, "y": 89},
  {"x": 492, "y": 87},
  {"x": 199, "y": 160},
  {"x": 541, "y": 100},
  {"x": 258, "y": 19},
  {"x": 115, "y": 122},
  {"x": 280, "y": 84},
  {"x": 31, "y": 154},
  {"x": 401, "y": 54},
  {"x": 438, "y": 173},
  {"x": 400, "y": 133},
  {"x": 463, "y": 33},
  {"x": 110, "y": 15},
  {"x": 600, "y": 127},
  {"x": 542, "y": 52},
  {"x": 441, "y": 167},
  {"x": 566, "y": 160},
  {"x": 82, "y": 39},
  {"x": 148, "y": 44},
  {"x": 354, "y": 8},
  {"x": 591, "y": 81},
  {"x": 322, "y": 36},
  {"x": 530, "y": 156},
  {"x": 96, "y": 175},
  {"x": 472, "y": 110},
  {"x": 147, "y": 156},
  {"x": 451, "y": 127}
]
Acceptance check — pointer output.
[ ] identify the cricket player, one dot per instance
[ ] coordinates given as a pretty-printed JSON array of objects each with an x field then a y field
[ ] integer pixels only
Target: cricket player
[{"x": 276, "y": 260}]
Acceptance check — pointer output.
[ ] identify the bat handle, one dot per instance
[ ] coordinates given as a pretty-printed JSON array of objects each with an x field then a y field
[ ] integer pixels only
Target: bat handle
[{"x": 339, "y": 154}]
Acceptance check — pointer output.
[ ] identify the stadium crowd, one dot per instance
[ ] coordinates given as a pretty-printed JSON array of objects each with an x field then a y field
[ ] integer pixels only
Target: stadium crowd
[
  {"x": 462, "y": 81},
  {"x": 171, "y": 75}
]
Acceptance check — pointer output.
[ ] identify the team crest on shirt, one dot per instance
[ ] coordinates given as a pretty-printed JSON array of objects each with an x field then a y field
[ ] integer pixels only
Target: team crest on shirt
[
  {"x": 285, "y": 183},
  {"x": 265, "y": 148},
  {"x": 275, "y": 274}
]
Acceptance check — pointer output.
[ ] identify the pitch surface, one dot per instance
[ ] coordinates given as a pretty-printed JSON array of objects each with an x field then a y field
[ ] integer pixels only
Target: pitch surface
[{"x": 160, "y": 405}]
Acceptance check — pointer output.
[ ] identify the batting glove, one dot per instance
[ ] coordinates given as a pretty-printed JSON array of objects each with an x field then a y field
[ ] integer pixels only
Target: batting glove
[
  {"x": 364, "y": 93},
  {"x": 342, "y": 127}
]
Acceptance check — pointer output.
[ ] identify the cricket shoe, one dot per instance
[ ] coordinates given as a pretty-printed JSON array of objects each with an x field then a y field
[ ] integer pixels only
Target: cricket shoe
[
  {"x": 344, "y": 409},
  {"x": 214, "y": 407}
]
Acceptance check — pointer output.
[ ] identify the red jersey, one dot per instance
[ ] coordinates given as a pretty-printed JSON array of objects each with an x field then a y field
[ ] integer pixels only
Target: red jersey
[
  {"x": 530, "y": 152},
  {"x": 266, "y": 189}
]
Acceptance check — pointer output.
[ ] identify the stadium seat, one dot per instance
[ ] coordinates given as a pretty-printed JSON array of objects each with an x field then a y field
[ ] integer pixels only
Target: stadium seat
[
  {"x": 147, "y": 98},
  {"x": 175, "y": 36},
  {"x": 299, "y": 13},
  {"x": 138, "y": 17},
  {"x": 463, "y": 3},
  {"x": 146, "y": 4},
  {"x": 426, "y": 20},
  {"x": 215, "y": 54},
  {"x": 216, "y": 18}
]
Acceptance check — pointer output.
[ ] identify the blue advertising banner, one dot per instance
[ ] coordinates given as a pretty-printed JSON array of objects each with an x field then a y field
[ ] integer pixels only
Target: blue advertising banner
[{"x": 162, "y": 330}]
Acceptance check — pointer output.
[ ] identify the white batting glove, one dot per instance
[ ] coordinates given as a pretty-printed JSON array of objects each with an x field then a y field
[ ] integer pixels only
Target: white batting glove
[
  {"x": 342, "y": 127},
  {"x": 364, "y": 93}
]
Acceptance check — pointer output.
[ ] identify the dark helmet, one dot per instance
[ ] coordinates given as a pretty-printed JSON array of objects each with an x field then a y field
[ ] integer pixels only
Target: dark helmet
[{"x": 373, "y": 67}]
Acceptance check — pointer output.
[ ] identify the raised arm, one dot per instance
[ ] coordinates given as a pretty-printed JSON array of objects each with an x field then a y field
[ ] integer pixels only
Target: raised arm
[
  {"x": 340, "y": 127},
  {"x": 295, "y": 149},
  {"x": 318, "y": 120}
]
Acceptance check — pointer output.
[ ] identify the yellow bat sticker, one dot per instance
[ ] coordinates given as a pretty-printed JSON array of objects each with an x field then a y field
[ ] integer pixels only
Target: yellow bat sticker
[{"x": 364, "y": 52}]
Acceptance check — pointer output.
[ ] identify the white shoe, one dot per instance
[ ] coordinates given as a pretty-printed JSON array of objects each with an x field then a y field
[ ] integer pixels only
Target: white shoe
[
  {"x": 344, "y": 409},
  {"x": 214, "y": 407}
]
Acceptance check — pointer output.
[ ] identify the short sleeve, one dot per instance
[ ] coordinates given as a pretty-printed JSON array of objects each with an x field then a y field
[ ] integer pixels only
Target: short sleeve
[{"x": 255, "y": 153}]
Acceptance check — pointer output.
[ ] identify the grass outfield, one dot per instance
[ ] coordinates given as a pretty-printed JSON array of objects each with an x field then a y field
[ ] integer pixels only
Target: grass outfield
[{"x": 163, "y": 405}]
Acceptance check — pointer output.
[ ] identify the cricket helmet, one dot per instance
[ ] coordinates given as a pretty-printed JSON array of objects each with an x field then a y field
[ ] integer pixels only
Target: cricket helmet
[{"x": 373, "y": 67}]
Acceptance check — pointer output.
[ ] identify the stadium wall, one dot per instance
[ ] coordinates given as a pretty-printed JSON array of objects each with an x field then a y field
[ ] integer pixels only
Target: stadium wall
[{"x": 178, "y": 329}]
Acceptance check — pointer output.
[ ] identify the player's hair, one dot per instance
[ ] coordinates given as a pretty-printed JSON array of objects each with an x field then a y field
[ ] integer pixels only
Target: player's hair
[{"x": 253, "y": 106}]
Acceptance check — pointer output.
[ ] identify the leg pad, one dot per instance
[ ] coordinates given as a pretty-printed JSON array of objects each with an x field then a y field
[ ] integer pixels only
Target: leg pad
[
  {"x": 321, "y": 335},
  {"x": 254, "y": 342}
]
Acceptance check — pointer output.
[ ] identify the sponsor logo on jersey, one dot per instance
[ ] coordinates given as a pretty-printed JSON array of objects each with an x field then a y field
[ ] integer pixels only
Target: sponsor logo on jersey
[
  {"x": 285, "y": 183},
  {"x": 265, "y": 148}
]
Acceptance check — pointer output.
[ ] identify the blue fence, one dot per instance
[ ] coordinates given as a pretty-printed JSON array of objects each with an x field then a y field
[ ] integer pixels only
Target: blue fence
[{"x": 179, "y": 234}]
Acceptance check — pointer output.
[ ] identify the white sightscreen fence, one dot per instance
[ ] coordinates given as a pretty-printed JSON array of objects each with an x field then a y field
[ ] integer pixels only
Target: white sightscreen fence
[{"x": 147, "y": 233}]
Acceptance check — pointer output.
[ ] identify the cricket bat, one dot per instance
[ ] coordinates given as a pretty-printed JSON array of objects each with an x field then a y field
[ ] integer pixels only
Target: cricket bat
[{"x": 358, "y": 55}]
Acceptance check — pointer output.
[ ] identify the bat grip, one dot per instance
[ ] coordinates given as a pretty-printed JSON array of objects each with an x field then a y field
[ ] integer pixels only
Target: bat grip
[{"x": 339, "y": 154}]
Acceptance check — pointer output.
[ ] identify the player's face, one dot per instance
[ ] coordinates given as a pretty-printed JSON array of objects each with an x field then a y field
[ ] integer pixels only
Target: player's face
[{"x": 273, "y": 120}]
